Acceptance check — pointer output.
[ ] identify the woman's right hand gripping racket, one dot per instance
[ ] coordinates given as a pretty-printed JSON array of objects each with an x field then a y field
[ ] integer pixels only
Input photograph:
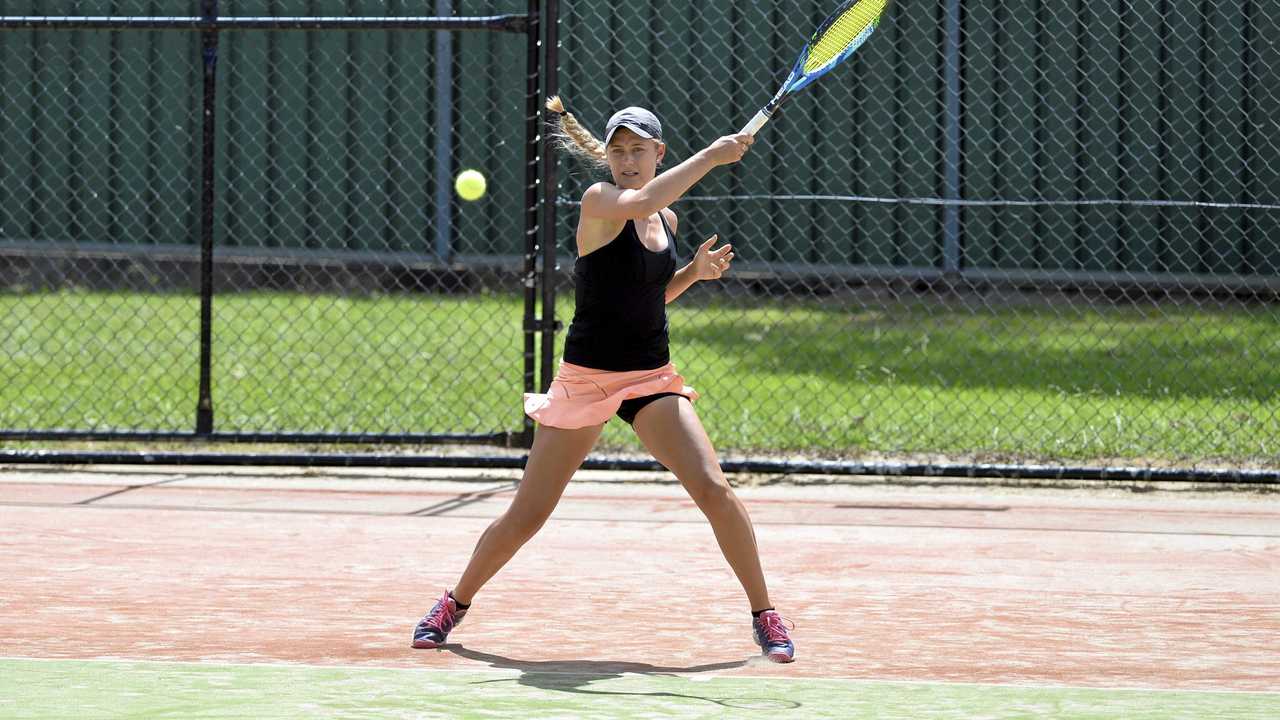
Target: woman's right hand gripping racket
[{"x": 834, "y": 40}]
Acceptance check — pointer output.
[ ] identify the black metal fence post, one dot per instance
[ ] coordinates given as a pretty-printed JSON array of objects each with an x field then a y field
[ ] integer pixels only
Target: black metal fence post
[
  {"x": 204, "y": 405},
  {"x": 547, "y": 223},
  {"x": 533, "y": 140}
]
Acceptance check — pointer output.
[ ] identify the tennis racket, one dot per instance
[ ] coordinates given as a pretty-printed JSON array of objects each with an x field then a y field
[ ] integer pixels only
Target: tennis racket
[{"x": 835, "y": 39}]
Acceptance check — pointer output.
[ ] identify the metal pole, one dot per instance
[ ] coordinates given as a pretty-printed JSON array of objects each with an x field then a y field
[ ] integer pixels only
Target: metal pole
[
  {"x": 499, "y": 23},
  {"x": 951, "y": 213},
  {"x": 547, "y": 224},
  {"x": 971, "y": 473},
  {"x": 209, "y": 42},
  {"x": 532, "y": 140},
  {"x": 444, "y": 137}
]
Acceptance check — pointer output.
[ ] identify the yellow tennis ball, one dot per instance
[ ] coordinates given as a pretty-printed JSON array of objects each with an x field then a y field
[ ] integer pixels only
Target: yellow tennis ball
[{"x": 470, "y": 185}]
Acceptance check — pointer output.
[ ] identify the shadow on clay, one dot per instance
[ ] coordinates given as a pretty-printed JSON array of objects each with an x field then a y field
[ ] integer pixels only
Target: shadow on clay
[{"x": 574, "y": 676}]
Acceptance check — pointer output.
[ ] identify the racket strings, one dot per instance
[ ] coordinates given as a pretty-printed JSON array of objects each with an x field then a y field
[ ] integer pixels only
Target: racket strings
[{"x": 847, "y": 31}]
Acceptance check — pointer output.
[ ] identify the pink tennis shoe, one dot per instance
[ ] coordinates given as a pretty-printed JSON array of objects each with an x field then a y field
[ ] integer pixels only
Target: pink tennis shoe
[
  {"x": 432, "y": 629},
  {"x": 771, "y": 635}
]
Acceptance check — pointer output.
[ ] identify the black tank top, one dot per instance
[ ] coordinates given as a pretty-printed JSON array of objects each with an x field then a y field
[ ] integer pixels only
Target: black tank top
[{"x": 620, "y": 322}]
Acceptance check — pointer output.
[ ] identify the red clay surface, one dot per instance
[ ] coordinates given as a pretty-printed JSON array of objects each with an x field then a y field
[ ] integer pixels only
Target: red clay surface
[{"x": 1102, "y": 589}]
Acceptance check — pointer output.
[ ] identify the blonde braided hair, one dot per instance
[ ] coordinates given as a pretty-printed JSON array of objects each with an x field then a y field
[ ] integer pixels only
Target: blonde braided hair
[{"x": 575, "y": 139}]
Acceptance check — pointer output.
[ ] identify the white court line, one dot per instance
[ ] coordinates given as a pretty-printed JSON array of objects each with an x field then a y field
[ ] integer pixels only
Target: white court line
[{"x": 692, "y": 677}]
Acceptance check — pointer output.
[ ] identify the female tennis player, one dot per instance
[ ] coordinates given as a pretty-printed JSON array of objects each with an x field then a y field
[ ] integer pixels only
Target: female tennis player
[{"x": 616, "y": 362}]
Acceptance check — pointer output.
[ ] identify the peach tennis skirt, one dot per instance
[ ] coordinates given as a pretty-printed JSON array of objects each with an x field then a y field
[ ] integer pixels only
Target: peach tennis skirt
[{"x": 581, "y": 396}]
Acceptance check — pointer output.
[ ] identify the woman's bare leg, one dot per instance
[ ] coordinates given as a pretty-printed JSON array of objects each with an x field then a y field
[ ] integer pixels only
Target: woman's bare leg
[
  {"x": 555, "y": 456},
  {"x": 670, "y": 429}
]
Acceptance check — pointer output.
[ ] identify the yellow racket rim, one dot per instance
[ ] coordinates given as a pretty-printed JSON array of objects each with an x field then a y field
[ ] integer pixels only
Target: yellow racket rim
[{"x": 842, "y": 33}]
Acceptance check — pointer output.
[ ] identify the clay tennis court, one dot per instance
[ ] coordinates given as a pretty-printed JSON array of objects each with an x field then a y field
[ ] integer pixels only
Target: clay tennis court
[{"x": 240, "y": 593}]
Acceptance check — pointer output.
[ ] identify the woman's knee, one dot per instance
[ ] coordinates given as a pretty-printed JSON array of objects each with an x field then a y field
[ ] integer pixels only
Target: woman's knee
[
  {"x": 709, "y": 490},
  {"x": 524, "y": 523}
]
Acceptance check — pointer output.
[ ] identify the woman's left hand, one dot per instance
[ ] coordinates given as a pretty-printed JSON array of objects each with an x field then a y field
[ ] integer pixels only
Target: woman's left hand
[{"x": 710, "y": 264}]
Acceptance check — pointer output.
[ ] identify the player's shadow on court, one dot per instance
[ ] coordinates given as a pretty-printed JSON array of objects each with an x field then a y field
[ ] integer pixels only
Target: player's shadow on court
[{"x": 573, "y": 676}]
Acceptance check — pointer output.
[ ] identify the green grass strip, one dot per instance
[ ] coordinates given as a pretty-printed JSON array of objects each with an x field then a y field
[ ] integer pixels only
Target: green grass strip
[
  {"x": 1142, "y": 383},
  {"x": 45, "y": 690}
]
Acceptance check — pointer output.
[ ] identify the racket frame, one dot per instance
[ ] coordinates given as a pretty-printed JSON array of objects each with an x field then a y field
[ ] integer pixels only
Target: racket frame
[{"x": 798, "y": 79}]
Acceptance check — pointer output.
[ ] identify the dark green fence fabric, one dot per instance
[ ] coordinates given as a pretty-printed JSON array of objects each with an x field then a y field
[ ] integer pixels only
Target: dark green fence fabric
[
  {"x": 327, "y": 141},
  {"x": 1090, "y": 134},
  {"x": 1121, "y": 106},
  {"x": 96, "y": 137}
]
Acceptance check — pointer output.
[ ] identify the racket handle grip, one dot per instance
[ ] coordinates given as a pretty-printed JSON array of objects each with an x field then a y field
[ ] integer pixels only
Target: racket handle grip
[{"x": 756, "y": 123}]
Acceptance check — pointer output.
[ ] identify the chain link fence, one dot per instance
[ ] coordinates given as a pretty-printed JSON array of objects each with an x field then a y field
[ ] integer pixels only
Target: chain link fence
[
  {"x": 354, "y": 293},
  {"x": 1025, "y": 230}
]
